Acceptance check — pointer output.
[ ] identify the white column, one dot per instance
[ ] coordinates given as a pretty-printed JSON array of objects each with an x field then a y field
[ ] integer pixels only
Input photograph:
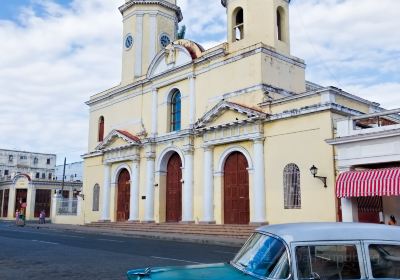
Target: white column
[
  {"x": 55, "y": 198},
  {"x": 208, "y": 203},
  {"x": 187, "y": 187},
  {"x": 105, "y": 210},
  {"x": 149, "y": 205},
  {"x": 259, "y": 182},
  {"x": 192, "y": 99},
  {"x": 138, "y": 45},
  {"x": 30, "y": 201},
  {"x": 153, "y": 37},
  {"x": 349, "y": 210},
  {"x": 11, "y": 202},
  {"x": 154, "y": 113},
  {"x": 134, "y": 201}
]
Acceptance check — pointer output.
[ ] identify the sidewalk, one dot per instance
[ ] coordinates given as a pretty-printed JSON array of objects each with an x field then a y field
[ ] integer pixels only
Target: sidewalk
[{"x": 194, "y": 238}]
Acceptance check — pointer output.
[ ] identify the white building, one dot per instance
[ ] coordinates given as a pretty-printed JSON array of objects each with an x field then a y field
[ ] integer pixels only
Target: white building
[
  {"x": 368, "y": 160},
  {"x": 73, "y": 172},
  {"x": 27, "y": 182},
  {"x": 36, "y": 165}
]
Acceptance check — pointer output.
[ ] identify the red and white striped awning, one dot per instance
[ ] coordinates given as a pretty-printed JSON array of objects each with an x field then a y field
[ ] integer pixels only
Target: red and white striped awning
[{"x": 372, "y": 182}]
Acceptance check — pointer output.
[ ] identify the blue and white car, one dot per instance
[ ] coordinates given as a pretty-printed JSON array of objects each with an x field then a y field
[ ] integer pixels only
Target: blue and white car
[{"x": 302, "y": 251}]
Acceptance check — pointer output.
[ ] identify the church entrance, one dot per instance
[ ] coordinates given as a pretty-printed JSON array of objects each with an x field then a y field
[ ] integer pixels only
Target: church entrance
[
  {"x": 20, "y": 200},
  {"x": 42, "y": 202},
  {"x": 123, "y": 200},
  {"x": 236, "y": 190},
  {"x": 174, "y": 189}
]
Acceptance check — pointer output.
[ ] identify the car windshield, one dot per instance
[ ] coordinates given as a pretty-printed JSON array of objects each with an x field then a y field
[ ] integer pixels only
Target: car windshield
[{"x": 264, "y": 256}]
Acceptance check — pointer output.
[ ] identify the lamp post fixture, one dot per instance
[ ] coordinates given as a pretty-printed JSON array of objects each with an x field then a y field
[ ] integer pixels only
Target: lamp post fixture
[
  {"x": 79, "y": 193},
  {"x": 314, "y": 172}
]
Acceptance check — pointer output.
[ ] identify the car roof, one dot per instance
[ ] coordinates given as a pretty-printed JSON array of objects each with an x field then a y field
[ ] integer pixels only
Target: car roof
[{"x": 300, "y": 232}]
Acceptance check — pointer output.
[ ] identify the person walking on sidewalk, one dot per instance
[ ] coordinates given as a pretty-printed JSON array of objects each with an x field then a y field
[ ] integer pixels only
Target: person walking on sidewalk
[{"x": 42, "y": 217}]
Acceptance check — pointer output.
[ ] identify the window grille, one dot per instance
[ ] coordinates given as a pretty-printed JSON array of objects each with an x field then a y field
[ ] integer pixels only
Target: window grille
[
  {"x": 176, "y": 111},
  {"x": 67, "y": 207},
  {"x": 291, "y": 183}
]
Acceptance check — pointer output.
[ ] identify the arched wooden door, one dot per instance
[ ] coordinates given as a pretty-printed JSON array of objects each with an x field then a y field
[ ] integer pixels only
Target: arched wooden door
[
  {"x": 236, "y": 190},
  {"x": 124, "y": 192},
  {"x": 174, "y": 189}
]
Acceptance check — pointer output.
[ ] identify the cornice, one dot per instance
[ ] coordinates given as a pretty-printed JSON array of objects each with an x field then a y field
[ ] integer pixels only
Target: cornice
[
  {"x": 162, "y": 3},
  {"x": 226, "y": 2},
  {"x": 364, "y": 137}
]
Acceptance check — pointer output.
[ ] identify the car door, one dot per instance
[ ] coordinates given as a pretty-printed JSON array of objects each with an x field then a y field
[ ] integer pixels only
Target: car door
[
  {"x": 382, "y": 259},
  {"x": 328, "y": 260}
]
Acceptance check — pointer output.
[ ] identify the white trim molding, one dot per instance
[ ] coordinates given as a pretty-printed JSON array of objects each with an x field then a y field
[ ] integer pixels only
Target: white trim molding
[
  {"x": 225, "y": 155},
  {"x": 164, "y": 156}
]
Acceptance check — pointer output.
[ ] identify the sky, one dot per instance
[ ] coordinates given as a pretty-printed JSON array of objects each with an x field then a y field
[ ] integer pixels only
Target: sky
[{"x": 55, "y": 54}]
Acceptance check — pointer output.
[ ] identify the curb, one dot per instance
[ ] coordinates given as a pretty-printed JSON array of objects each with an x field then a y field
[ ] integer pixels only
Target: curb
[{"x": 191, "y": 238}]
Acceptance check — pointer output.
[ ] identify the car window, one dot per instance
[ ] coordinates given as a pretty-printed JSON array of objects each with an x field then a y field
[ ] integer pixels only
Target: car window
[
  {"x": 385, "y": 260},
  {"x": 327, "y": 262},
  {"x": 264, "y": 256}
]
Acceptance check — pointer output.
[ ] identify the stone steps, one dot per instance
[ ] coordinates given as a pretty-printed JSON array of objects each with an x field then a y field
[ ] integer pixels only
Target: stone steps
[{"x": 235, "y": 231}]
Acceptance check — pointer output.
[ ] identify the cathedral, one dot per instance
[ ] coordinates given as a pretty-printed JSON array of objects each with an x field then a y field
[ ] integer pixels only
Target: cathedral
[{"x": 225, "y": 135}]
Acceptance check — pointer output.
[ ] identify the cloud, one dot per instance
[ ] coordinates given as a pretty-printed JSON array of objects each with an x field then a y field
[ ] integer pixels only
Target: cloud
[
  {"x": 56, "y": 56},
  {"x": 53, "y": 64}
]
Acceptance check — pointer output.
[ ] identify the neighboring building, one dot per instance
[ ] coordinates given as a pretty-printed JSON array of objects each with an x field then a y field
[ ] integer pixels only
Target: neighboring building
[
  {"x": 368, "y": 159},
  {"x": 28, "y": 179},
  {"x": 73, "y": 172},
  {"x": 36, "y": 165},
  {"x": 225, "y": 135}
]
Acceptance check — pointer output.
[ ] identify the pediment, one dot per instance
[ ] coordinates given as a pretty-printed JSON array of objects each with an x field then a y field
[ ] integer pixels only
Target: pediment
[
  {"x": 117, "y": 139},
  {"x": 175, "y": 55},
  {"x": 229, "y": 113}
]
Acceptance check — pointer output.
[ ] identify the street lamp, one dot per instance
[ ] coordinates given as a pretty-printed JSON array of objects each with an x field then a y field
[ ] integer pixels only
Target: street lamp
[
  {"x": 314, "y": 172},
  {"x": 79, "y": 193}
]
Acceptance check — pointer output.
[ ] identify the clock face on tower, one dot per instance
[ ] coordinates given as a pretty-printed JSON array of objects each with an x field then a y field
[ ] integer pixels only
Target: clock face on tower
[
  {"x": 164, "y": 40},
  {"x": 128, "y": 41}
]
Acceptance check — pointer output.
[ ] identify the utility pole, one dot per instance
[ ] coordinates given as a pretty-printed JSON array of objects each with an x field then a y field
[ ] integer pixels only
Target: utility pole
[{"x": 63, "y": 179}]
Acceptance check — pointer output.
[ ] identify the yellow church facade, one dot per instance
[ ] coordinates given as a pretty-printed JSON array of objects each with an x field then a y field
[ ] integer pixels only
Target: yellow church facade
[{"x": 225, "y": 135}]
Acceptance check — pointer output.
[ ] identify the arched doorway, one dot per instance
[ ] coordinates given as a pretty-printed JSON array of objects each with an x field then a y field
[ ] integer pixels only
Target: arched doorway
[
  {"x": 174, "y": 189},
  {"x": 124, "y": 191},
  {"x": 236, "y": 190}
]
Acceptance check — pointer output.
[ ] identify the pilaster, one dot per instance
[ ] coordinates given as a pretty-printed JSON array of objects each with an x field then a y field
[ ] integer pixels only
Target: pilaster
[
  {"x": 192, "y": 99},
  {"x": 154, "y": 113},
  {"x": 134, "y": 199},
  {"x": 105, "y": 210},
  {"x": 208, "y": 198},
  {"x": 150, "y": 179},
  {"x": 139, "y": 45},
  {"x": 188, "y": 186},
  {"x": 259, "y": 205}
]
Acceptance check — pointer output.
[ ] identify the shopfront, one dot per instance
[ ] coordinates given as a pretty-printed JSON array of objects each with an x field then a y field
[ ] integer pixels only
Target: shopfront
[{"x": 368, "y": 163}]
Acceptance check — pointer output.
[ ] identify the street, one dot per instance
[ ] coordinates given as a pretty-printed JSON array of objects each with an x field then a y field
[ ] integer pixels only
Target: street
[{"x": 30, "y": 253}]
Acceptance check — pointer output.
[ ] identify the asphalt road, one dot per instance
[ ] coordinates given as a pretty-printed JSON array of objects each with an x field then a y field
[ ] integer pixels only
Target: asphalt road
[{"x": 30, "y": 253}]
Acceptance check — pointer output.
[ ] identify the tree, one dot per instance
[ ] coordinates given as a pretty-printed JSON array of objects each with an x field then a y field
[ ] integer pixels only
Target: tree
[{"x": 181, "y": 33}]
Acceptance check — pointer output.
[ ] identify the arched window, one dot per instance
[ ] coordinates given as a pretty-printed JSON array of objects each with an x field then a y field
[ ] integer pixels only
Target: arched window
[
  {"x": 176, "y": 111},
  {"x": 96, "y": 197},
  {"x": 238, "y": 25},
  {"x": 291, "y": 184},
  {"x": 280, "y": 22},
  {"x": 101, "y": 129}
]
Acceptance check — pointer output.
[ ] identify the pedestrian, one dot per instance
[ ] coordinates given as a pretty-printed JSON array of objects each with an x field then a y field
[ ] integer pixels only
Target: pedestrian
[
  {"x": 42, "y": 217},
  {"x": 392, "y": 221},
  {"x": 16, "y": 217}
]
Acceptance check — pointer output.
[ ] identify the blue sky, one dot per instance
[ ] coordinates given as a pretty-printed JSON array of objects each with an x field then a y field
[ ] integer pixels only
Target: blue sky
[
  {"x": 47, "y": 46},
  {"x": 10, "y": 9}
]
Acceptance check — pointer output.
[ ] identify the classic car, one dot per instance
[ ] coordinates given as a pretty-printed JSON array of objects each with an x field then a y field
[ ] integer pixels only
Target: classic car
[{"x": 301, "y": 251}]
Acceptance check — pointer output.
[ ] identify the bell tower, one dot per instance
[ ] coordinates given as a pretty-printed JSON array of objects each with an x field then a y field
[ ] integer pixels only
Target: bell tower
[
  {"x": 254, "y": 21},
  {"x": 148, "y": 27}
]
